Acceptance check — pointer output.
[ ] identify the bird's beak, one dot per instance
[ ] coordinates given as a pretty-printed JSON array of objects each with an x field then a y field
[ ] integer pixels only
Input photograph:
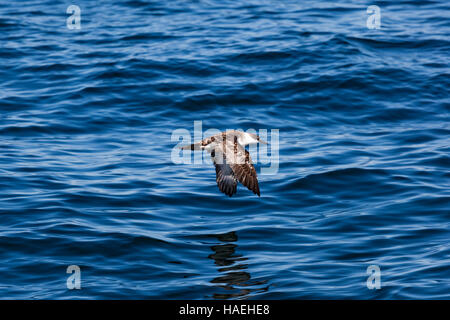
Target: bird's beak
[{"x": 262, "y": 141}]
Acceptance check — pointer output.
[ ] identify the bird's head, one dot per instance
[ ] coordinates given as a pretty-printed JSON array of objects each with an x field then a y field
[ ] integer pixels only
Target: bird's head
[{"x": 250, "y": 138}]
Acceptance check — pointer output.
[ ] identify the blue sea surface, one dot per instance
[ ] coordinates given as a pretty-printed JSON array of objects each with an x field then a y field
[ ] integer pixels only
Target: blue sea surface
[{"x": 87, "y": 178}]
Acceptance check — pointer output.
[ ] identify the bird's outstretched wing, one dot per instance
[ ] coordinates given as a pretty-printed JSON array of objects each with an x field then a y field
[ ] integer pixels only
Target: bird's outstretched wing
[
  {"x": 225, "y": 178},
  {"x": 245, "y": 172},
  {"x": 233, "y": 163}
]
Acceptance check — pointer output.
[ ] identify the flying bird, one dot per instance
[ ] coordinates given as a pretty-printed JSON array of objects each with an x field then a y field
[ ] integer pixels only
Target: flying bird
[{"x": 231, "y": 159}]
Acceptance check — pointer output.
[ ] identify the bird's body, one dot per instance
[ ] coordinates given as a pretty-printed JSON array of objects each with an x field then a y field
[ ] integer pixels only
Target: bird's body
[{"x": 231, "y": 159}]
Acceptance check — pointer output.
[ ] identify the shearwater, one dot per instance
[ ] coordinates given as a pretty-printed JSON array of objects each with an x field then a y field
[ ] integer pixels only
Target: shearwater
[{"x": 231, "y": 159}]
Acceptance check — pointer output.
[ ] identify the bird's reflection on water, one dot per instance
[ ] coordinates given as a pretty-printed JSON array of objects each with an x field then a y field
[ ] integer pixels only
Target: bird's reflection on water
[{"x": 235, "y": 282}]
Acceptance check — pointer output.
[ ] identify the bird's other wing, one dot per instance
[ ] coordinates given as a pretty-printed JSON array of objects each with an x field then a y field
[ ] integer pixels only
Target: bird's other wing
[
  {"x": 226, "y": 181},
  {"x": 242, "y": 166}
]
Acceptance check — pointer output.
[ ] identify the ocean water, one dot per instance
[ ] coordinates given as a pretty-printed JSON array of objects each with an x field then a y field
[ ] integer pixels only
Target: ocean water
[{"x": 87, "y": 178}]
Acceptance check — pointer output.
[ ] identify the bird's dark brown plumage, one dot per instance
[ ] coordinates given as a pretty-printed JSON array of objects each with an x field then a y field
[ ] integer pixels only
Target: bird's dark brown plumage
[{"x": 233, "y": 168}]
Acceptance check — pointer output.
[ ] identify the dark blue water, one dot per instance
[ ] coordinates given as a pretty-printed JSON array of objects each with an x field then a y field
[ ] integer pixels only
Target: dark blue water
[{"x": 86, "y": 175}]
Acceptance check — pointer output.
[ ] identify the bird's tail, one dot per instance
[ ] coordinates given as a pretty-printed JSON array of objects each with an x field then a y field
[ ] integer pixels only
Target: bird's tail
[{"x": 194, "y": 146}]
